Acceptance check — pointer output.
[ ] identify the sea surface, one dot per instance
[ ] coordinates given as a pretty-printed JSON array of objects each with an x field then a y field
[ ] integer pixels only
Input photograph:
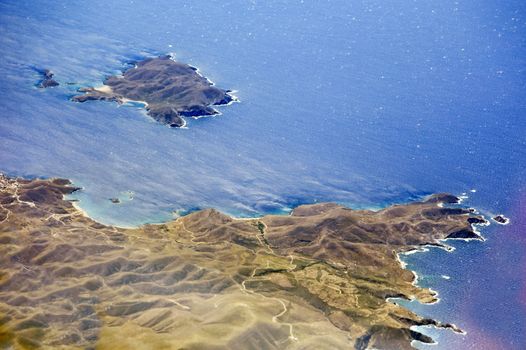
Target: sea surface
[{"x": 365, "y": 103}]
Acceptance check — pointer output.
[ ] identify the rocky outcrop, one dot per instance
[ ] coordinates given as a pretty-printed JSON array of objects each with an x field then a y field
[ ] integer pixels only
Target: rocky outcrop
[{"x": 47, "y": 79}]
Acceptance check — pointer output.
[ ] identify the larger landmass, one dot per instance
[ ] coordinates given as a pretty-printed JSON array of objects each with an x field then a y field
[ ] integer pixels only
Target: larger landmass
[
  {"x": 320, "y": 278},
  {"x": 171, "y": 90}
]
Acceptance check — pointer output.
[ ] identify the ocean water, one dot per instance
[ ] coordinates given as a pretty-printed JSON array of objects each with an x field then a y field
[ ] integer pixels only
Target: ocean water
[{"x": 365, "y": 103}]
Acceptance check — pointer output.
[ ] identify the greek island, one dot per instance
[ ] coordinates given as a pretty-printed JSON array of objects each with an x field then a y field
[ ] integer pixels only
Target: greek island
[{"x": 170, "y": 90}]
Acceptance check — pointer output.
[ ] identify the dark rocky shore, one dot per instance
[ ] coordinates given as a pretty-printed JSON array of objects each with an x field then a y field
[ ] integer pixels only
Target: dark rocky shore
[{"x": 171, "y": 90}]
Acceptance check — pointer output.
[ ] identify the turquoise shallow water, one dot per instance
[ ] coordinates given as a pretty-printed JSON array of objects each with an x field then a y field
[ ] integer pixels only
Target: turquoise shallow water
[{"x": 360, "y": 102}]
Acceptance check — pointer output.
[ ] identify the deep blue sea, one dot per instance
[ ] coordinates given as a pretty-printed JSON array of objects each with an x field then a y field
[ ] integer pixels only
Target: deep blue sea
[{"x": 365, "y": 103}]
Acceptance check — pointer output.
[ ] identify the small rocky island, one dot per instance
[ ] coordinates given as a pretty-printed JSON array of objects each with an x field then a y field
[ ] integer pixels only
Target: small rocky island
[
  {"x": 170, "y": 90},
  {"x": 47, "y": 79},
  {"x": 320, "y": 278},
  {"x": 501, "y": 219}
]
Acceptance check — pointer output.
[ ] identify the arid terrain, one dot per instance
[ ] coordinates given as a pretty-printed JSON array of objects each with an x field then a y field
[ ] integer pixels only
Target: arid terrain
[{"x": 317, "y": 279}]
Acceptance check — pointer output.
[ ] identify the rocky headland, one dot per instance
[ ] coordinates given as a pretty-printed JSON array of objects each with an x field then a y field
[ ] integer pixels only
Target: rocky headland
[
  {"x": 170, "y": 90},
  {"x": 319, "y": 278}
]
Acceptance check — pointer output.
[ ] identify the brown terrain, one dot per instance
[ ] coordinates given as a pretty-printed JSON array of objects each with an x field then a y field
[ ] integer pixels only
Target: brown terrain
[
  {"x": 317, "y": 279},
  {"x": 171, "y": 90}
]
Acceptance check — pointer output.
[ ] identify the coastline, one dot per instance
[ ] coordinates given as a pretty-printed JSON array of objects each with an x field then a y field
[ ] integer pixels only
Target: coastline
[
  {"x": 204, "y": 227},
  {"x": 448, "y": 249}
]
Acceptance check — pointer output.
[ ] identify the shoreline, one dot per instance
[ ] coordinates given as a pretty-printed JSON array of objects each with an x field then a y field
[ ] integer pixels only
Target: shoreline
[
  {"x": 425, "y": 249},
  {"x": 399, "y": 256},
  {"x": 311, "y": 216}
]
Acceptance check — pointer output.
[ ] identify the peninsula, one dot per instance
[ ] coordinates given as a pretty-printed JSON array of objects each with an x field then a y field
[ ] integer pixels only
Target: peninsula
[
  {"x": 320, "y": 278},
  {"x": 170, "y": 90}
]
